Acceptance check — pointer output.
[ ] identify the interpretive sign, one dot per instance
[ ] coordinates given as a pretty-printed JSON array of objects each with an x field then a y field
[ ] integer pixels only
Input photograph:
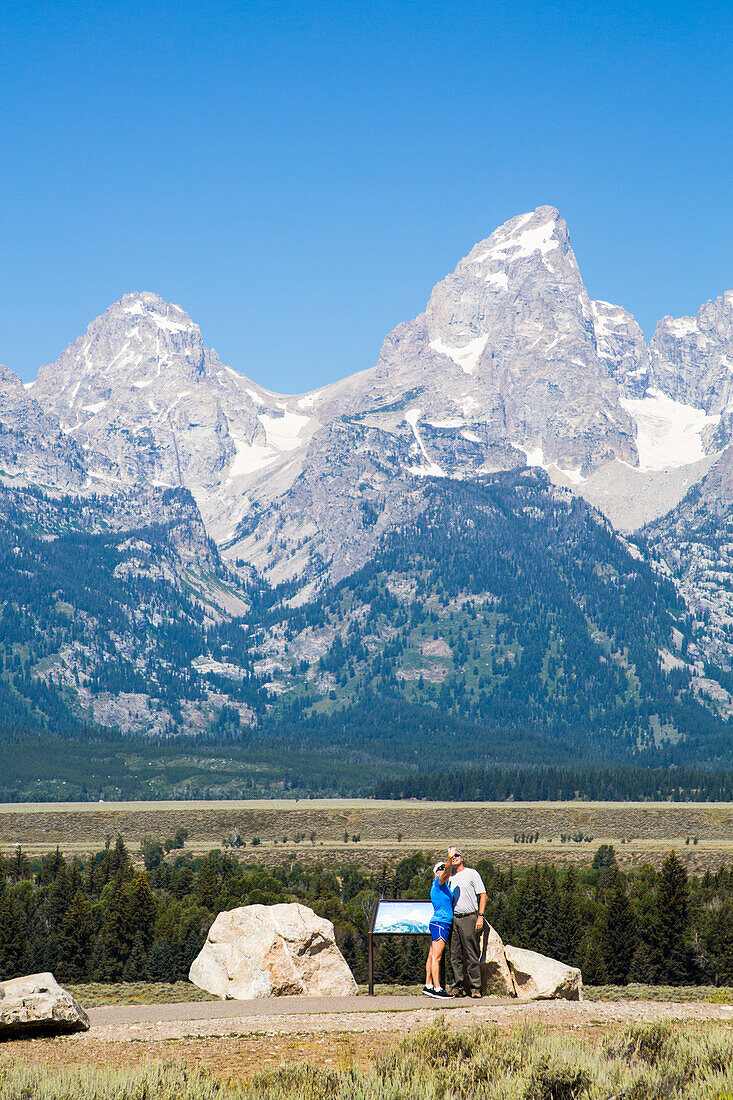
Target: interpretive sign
[
  {"x": 402, "y": 916},
  {"x": 398, "y": 918}
]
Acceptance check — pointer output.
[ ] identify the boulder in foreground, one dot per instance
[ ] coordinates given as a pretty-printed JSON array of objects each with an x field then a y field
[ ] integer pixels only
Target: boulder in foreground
[
  {"x": 271, "y": 951},
  {"x": 37, "y": 1003},
  {"x": 496, "y": 977},
  {"x": 538, "y": 977}
]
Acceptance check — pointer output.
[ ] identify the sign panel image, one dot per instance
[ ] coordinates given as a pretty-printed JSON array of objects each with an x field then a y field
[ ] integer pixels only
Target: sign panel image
[{"x": 402, "y": 916}]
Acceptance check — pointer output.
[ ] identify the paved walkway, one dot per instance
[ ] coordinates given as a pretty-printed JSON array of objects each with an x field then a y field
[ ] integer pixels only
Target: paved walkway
[
  {"x": 277, "y": 1006},
  {"x": 389, "y": 1014}
]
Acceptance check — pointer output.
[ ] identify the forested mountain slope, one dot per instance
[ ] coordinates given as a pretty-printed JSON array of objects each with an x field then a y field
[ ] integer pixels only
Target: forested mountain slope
[
  {"x": 693, "y": 545},
  {"x": 105, "y": 605},
  {"x": 509, "y": 605},
  {"x": 505, "y": 623}
]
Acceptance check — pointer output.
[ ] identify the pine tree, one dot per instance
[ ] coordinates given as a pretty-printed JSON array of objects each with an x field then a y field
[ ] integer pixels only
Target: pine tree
[
  {"x": 619, "y": 929},
  {"x": 389, "y": 960},
  {"x": 536, "y": 909},
  {"x": 670, "y": 929},
  {"x": 594, "y": 962},
  {"x": 141, "y": 910},
  {"x": 643, "y": 969},
  {"x": 13, "y": 937},
  {"x": 720, "y": 943},
  {"x": 568, "y": 932},
  {"x": 75, "y": 940}
]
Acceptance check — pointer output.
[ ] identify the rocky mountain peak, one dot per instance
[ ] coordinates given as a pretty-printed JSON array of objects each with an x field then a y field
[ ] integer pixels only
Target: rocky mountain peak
[
  {"x": 535, "y": 234},
  {"x": 32, "y": 448},
  {"x": 620, "y": 341},
  {"x": 506, "y": 358},
  {"x": 141, "y": 388},
  {"x": 692, "y": 362}
]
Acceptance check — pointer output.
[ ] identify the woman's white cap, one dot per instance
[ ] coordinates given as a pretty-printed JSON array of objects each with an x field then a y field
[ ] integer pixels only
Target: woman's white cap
[{"x": 439, "y": 867}]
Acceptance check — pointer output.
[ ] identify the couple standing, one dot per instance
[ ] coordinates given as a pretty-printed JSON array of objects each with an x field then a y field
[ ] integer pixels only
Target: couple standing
[{"x": 459, "y": 900}]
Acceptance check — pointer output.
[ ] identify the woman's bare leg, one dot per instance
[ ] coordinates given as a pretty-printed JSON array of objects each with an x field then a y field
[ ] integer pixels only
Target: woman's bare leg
[
  {"x": 436, "y": 951},
  {"x": 429, "y": 967}
]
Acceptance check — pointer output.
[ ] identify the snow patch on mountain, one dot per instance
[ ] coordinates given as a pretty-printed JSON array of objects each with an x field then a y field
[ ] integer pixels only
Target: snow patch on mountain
[
  {"x": 284, "y": 431},
  {"x": 668, "y": 432},
  {"x": 466, "y": 356},
  {"x": 683, "y": 326},
  {"x": 430, "y": 469},
  {"x": 499, "y": 279}
]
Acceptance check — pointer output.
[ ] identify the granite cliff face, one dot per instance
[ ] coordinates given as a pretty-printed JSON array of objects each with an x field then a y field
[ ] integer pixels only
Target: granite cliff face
[
  {"x": 33, "y": 449},
  {"x": 693, "y": 363}
]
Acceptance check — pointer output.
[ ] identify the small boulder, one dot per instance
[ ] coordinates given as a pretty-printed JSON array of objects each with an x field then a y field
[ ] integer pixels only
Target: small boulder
[
  {"x": 37, "y": 1003},
  {"x": 538, "y": 977},
  {"x": 496, "y": 976},
  {"x": 271, "y": 951}
]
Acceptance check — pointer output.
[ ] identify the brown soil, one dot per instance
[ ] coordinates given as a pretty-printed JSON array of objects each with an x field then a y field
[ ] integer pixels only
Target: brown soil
[{"x": 235, "y": 1046}]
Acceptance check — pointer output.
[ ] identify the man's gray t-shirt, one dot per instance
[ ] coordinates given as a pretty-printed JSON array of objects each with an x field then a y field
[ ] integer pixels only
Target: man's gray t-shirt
[{"x": 466, "y": 886}]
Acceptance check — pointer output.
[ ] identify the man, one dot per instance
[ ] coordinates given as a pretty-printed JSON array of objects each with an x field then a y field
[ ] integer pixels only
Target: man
[{"x": 469, "y": 903}]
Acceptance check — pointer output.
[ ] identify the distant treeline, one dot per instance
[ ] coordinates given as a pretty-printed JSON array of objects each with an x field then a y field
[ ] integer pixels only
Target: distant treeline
[
  {"x": 107, "y": 919},
  {"x": 597, "y": 784}
]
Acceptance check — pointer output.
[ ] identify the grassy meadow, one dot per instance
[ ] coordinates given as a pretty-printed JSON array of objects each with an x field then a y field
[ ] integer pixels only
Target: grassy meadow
[
  {"x": 369, "y": 832},
  {"x": 97, "y": 994}
]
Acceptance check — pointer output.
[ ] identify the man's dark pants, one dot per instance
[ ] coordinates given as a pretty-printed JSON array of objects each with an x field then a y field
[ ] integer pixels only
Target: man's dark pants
[{"x": 465, "y": 952}]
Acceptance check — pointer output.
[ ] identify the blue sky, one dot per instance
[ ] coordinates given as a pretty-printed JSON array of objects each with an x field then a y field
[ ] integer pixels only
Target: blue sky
[{"x": 298, "y": 176}]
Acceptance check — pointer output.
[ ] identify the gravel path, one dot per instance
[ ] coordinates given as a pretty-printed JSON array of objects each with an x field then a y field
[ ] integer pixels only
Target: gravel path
[{"x": 391, "y": 1015}]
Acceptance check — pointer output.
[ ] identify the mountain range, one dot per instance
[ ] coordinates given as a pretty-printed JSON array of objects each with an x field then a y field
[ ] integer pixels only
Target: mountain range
[{"x": 252, "y": 509}]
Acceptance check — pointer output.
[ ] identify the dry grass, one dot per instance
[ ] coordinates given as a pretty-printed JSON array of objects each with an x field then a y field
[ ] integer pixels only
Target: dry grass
[
  {"x": 95, "y": 994},
  {"x": 641, "y": 832},
  {"x": 229, "y": 1060},
  {"x": 650, "y": 1062}
]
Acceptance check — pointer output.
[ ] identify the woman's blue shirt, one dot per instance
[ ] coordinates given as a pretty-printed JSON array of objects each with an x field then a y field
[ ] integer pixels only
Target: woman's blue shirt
[{"x": 442, "y": 899}]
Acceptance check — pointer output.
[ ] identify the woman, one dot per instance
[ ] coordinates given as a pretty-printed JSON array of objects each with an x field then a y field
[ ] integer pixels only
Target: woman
[{"x": 441, "y": 896}]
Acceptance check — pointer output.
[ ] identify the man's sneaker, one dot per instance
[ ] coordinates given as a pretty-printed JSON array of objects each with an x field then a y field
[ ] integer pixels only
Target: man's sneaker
[
  {"x": 428, "y": 990},
  {"x": 476, "y": 994},
  {"x": 456, "y": 992}
]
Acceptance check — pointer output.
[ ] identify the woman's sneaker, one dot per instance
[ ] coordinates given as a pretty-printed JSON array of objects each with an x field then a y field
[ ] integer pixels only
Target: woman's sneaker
[
  {"x": 442, "y": 993},
  {"x": 428, "y": 990}
]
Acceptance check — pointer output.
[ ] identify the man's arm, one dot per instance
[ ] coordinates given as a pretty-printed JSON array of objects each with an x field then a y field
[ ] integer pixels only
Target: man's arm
[{"x": 482, "y": 899}]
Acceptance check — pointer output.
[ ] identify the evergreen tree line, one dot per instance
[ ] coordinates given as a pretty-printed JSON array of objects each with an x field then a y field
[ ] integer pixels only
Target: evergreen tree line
[
  {"x": 613, "y": 783},
  {"x": 108, "y": 919}
]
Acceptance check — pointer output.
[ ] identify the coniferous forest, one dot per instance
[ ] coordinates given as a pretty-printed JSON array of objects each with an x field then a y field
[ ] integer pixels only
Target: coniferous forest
[{"x": 105, "y": 919}]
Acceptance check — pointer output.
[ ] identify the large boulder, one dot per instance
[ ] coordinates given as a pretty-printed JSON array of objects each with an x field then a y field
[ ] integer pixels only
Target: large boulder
[
  {"x": 271, "y": 951},
  {"x": 496, "y": 976},
  {"x": 537, "y": 977},
  {"x": 37, "y": 1003}
]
